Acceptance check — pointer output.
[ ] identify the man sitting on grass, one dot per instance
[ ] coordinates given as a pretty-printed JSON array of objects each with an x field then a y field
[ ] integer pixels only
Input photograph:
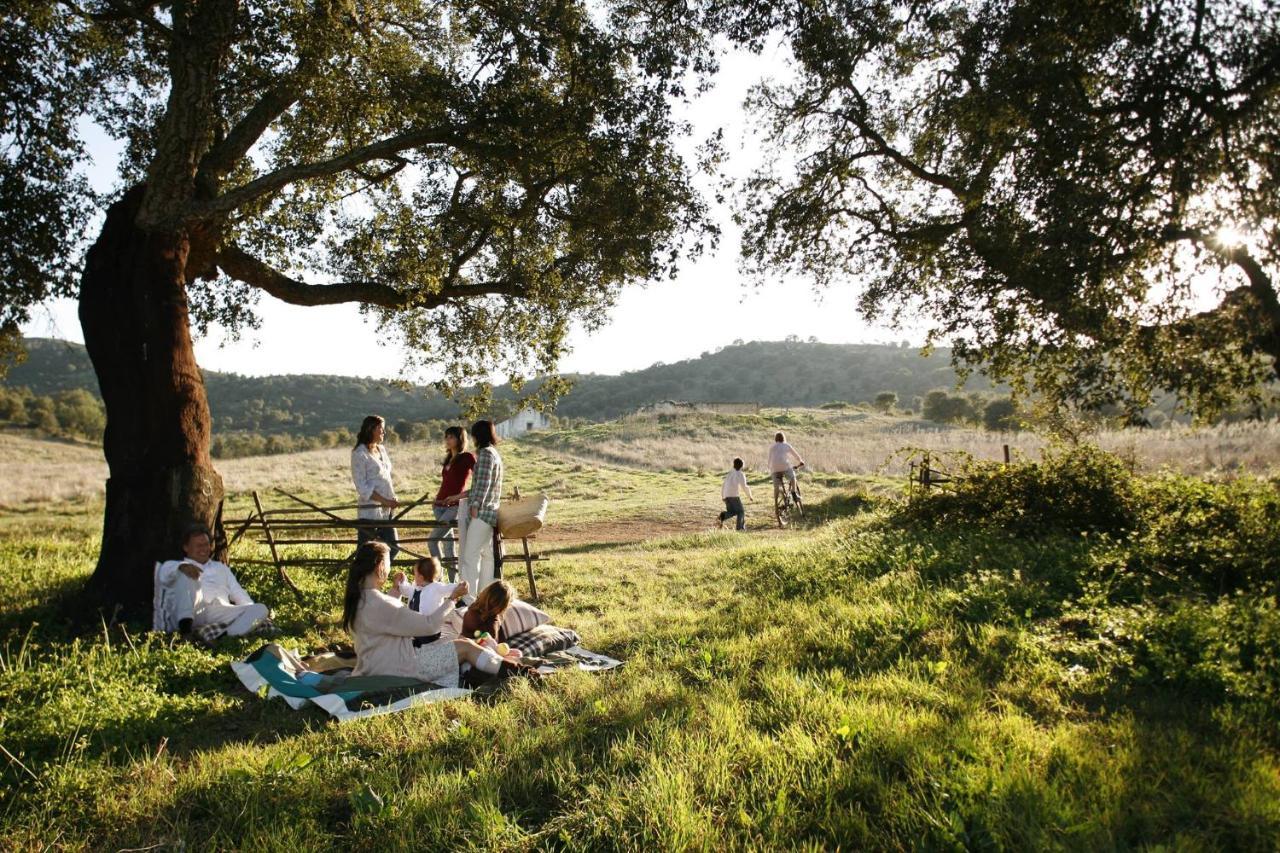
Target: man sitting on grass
[{"x": 204, "y": 597}]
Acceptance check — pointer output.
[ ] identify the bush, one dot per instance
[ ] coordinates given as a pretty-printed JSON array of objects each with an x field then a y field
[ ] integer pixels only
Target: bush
[
  {"x": 1001, "y": 415},
  {"x": 1222, "y": 537},
  {"x": 886, "y": 400},
  {"x": 1071, "y": 490},
  {"x": 1179, "y": 533},
  {"x": 945, "y": 408}
]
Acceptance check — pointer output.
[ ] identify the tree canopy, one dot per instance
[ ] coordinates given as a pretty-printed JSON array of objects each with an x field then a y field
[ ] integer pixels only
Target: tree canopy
[
  {"x": 1081, "y": 195},
  {"x": 476, "y": 175}
]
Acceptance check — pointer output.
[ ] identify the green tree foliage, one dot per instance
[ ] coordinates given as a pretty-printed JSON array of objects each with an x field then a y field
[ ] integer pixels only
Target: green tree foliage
[
  {"x": 74, "y": 413},
  {"x": 886, "y": 400},
  {"x": 946, "y": 408},
  {"x": 476, "y": 176},
  {"x": 770, "y": 373},
  {"x": 1052, "y": 184},
  {"x": 1000, "y": 414}
]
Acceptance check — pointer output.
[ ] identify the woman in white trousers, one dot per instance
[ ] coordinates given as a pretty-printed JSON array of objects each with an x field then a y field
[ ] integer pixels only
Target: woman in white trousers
[{"x": 475, "y": 565}]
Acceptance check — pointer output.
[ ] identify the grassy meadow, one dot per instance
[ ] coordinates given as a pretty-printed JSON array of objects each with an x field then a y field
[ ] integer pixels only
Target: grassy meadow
[
  {"x": 853, "y": 441},
  {"x": 1061, "y": 655}
]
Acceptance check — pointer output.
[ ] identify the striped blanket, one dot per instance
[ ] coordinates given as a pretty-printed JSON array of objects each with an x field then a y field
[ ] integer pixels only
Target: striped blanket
[{"x": 274, "y": 671}]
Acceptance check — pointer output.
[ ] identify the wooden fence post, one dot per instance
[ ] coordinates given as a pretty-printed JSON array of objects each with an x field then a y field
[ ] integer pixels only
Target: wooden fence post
[
  {"x": 528, "y": 567},
  {"x": 275, "y": 556}
]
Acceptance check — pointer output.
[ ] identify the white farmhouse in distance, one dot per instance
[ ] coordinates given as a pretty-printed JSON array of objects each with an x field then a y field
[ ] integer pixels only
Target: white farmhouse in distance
[{"x": 526, "y": 420}]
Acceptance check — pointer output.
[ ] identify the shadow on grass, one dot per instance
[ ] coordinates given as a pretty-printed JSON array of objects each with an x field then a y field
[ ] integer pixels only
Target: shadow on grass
[
  {"x": 60, "y": 613},
  {"x": 1149, "y": 773},
  {"x": 333, "y": 803},
  {"x": 839, "y": 505},
  {"x": 580, "y": 548}
]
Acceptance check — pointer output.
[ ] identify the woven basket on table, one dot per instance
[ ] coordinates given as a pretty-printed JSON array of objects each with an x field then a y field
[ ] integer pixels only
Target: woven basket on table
[{"x": 522, "y": 516}]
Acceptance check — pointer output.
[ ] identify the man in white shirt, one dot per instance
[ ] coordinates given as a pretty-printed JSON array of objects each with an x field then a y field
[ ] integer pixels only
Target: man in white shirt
[
  {"x": 205, "y": 592},
  {"x": 781, "y": 456},
  {"x": 735, "y": 483}
]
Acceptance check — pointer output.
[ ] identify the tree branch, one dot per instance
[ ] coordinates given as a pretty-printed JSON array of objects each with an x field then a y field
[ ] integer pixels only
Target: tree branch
[
  {"x": 123, "y": 12},
  {"x": 1260, "y": 285},
  {"x": 222, "y": 157},
  {"x": 242, "y": 266},
  {"x": 383, "y": 149},
  {"x": 883, "y": 147}
]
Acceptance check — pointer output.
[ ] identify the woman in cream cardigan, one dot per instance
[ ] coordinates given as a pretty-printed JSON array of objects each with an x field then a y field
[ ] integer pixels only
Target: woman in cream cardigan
[{"x": 384, "y": 628}]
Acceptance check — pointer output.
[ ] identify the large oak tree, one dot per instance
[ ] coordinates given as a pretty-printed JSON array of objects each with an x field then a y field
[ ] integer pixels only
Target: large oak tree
[
  {"x": 1084, "y": 194},
  {"x": 477, "y": 175}
]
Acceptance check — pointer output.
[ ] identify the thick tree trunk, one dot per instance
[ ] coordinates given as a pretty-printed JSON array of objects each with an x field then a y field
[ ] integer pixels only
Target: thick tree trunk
[{"x": 133, "y": 309}]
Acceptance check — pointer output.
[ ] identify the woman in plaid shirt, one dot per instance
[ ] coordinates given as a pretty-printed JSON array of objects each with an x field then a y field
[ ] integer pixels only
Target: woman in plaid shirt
[{"x": 475, "y": 566}]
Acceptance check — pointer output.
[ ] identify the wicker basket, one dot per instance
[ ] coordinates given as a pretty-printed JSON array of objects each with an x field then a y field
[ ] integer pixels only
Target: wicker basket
[{"x": 522, "y": 517}]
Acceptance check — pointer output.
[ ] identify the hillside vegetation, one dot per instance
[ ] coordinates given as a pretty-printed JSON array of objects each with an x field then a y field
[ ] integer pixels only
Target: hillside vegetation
[
  {"x": 770, "y": 373},
  {"x": 1060, "y": 655}
]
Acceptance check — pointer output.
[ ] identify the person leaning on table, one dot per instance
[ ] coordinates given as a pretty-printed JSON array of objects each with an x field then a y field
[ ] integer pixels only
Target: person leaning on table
[
  {"x": 475, "y": 565},
  {"x": 371, "y": 474}
]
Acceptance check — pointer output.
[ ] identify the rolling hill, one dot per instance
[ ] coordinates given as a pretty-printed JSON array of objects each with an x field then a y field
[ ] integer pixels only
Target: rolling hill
[{"x": 772, "y": 373}]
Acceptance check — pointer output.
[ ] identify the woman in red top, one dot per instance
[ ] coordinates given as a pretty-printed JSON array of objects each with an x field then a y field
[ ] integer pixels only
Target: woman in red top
[{"x": 458, "y": 462}]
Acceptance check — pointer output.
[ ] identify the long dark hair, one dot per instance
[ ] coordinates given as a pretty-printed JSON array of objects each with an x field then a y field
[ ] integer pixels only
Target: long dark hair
[
  {"x": 367, "y": 426},
  {"x": 482, "y": 432},
  {"x": 368, "y": 557},
  {"x": 460, "y": 434},
  {"x": 493, "y": 600}
]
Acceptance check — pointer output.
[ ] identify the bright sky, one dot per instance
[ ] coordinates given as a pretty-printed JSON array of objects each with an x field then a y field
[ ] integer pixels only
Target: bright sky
[{"x": 708, "y": 306}]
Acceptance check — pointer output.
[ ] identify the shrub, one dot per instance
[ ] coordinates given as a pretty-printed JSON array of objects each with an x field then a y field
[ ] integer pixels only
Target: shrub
[
  {"x": 944, "y": 408},
  {"x": 886, "y": 400},
  {"x": 1000, "y": 415},
  {"x": 1071, "y": 490},
  {"x": 1223, "y": 537}
]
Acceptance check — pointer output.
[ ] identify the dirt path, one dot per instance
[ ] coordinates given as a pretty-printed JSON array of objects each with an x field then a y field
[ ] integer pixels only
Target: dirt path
[{"x": 589, "y": 536}]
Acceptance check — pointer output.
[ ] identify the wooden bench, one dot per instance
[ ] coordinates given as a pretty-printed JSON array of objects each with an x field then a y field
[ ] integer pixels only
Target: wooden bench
[{"x": 310, "y": 524}]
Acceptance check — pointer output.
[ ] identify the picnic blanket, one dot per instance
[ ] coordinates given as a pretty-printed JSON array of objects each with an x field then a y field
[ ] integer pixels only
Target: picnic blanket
[
  {"x": 282, "y": 673},
  {"x": 325, "y": 681}
]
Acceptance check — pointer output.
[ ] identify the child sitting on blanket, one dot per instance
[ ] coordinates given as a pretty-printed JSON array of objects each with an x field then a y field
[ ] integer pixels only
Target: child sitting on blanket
[
  {"x": 426, "y": 594},
  {"x": 486, "y": 612}
]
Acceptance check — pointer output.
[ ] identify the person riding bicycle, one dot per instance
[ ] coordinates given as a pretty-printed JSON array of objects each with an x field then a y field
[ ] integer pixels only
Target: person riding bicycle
[{"x": 781, "y": 455}]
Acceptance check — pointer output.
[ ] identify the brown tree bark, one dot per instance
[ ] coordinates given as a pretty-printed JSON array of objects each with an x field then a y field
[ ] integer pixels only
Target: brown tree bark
[{"x": 133, "y": 310}]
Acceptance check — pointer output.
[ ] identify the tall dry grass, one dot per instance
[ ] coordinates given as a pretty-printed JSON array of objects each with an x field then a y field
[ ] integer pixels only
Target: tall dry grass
[
  {"x": 873, "y": 445},
  {"x": 33, "y": 470}
]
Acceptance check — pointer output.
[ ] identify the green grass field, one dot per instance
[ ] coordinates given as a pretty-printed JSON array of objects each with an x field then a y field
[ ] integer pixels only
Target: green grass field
[{"x": 890, "y": 677}]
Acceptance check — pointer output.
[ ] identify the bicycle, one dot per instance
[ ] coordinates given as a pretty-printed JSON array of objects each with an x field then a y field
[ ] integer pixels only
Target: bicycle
[{"x": 786, "y": 497}]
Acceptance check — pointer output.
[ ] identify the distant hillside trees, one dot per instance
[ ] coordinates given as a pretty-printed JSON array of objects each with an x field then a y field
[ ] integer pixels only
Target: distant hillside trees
[
  {"x": 773, "y": 373},
  {"x": 1001, "y": 415},
  {"x": 946, "y": 408},
  {"x": 998, "y": 414},
  {"x": 66, "y": 414}
]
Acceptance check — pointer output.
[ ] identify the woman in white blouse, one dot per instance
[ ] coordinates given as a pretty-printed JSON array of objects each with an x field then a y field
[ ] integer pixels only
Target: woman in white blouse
[
  {"x": 371, "y": 474},
  {"x": 383, "y": 629}
]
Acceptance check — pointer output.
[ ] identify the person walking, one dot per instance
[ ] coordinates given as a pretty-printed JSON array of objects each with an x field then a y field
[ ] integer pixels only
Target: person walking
[{"x": 735, "y": 483}]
